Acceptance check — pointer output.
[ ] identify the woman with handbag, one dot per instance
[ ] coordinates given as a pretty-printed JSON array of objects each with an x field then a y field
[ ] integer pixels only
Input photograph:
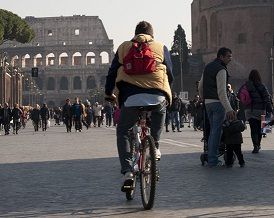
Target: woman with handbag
[{"x": 260, "y": 105}]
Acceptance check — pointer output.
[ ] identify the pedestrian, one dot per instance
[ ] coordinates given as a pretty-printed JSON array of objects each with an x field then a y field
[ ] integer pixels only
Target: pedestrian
[
  {"x": 260, "y": 105},
  {"x": 174, "y": 112},
  {"x": 233, "y": 139},
  {"x": 148, "y": 86},
  {"x": 97, "y": 109},
  {"x": 44, "y": 114},
  {"x": 35, "y": 117},
  {"x": 6, "y": 115},
  {"x": 16, "y": 115},
  {"x": 77, "y": 112},
  {"x": 213, "y": 89},
  {"x": 67, "y": 114}
]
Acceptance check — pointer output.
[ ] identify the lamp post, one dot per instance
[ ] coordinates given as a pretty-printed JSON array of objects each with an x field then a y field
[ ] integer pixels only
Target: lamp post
[
  {"x": 177, "y": 51},
  {"x": 272, "y": 69}
]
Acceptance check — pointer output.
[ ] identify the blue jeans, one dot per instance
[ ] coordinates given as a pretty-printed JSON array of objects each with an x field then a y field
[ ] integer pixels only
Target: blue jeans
[
  {"x": 128, "y": 118},
  {"x": 216, "y": 115},
  {"x": 175, "y": 119}
]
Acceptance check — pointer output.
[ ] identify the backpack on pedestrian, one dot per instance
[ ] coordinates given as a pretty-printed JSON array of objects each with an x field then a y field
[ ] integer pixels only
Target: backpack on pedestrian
[
  {"x": 244, "y": 95},
  {"x": 139, "y": 60}
]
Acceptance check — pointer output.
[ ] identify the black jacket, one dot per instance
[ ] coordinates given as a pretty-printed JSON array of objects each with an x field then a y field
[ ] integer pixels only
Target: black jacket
[
  {"x": 232, "y": 132},
  {"x": 260, "y": 96}
]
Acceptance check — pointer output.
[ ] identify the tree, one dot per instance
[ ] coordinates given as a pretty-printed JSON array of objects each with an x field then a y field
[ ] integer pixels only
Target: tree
[
  {"x": 179, "y": 52},
  {"x": 12, "y": 27}
]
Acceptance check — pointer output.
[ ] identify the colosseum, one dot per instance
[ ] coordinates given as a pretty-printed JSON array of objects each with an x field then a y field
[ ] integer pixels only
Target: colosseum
[
  {"x": 72, "y": 55},
  {"x": 245, "y": 26}
]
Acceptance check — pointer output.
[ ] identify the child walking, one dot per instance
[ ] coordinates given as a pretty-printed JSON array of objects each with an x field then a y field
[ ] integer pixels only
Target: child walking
[{"x": 232, "y": 137}]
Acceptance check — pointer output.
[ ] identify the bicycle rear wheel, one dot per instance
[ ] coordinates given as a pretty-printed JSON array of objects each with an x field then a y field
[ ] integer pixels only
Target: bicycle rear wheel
[{"x": 148, "y": 177}]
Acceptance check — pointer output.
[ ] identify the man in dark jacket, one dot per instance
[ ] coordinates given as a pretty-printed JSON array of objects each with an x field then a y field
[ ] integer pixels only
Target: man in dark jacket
[
  {"x": 174, "y": 112},
  {"x": 6, "y": 115},
  {"x": 213, "y": 89},
  {"x": 67, "y": 115},
  {"x": 44, "y": 113}
]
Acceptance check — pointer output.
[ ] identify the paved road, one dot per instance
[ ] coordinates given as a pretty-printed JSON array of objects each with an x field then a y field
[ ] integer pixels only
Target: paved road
[{"x": 77, "y": 175}]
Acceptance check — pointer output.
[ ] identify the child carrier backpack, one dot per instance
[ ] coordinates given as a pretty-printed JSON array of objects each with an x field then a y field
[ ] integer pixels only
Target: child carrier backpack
[
  {"x": 244, "y": 95},
  {"x": 139, "y": 59}
]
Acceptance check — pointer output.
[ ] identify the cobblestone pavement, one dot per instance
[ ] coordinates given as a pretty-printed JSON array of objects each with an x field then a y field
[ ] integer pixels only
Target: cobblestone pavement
[{"x": 60, "y": 174}]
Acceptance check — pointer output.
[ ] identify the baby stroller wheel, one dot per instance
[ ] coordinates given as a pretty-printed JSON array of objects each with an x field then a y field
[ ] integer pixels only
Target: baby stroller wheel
[{"x": 203, "y": 158}]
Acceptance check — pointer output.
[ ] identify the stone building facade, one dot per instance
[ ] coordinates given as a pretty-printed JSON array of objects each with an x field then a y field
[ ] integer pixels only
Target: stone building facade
[
  {"x": 244, "y": 26},
  {"x": 72, "y": 54}
]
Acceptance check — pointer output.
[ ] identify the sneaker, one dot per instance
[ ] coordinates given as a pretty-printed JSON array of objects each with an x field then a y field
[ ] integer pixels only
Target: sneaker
[
  {"x": 128, "y": 181},
  {"x": 158, "y": 154}
]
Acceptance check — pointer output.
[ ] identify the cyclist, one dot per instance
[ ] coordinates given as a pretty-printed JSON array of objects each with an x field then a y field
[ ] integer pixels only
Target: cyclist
[{"x": 139, "y": 90}]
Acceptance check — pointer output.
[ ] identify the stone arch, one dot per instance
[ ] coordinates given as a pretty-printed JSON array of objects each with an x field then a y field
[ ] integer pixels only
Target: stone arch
[
  {"x": 90, "y": 58},
  {"x": 37, "y": 60},
  {"x": 203, "y": 32},
  {"x": 77, "y": 83},
  {"x": 50, "y": 59},
  {"x": 104, "y": 57},
  {"x": 63, "y": 59},
  {"x": 26, "y": 60},
  {"x": 51, "y": 83},
  {"x": 15, "y": 61},
  {"x": 91, "y": 82},
  {"x": 64, "y": 83},
  {"x": 213, "y": 30},
  {"x": 76, "y": 58}
]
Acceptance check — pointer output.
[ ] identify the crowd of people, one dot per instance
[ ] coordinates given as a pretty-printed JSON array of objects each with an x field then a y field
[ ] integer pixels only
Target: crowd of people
[{"x": 75, "y": 114}]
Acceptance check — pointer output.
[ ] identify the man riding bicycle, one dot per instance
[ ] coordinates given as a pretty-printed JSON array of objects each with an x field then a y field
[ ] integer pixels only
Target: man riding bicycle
[{"x": 139, "y": 89}]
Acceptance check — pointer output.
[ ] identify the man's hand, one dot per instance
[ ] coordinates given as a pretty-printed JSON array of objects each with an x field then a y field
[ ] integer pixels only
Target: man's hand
[{"x": 231, "y": 115}]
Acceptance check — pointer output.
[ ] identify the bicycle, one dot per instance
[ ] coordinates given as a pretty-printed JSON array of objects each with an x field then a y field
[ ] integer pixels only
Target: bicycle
[{"x": 143, "y": 161}]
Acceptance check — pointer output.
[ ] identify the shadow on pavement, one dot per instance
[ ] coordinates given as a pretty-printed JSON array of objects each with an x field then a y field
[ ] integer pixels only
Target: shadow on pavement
[{"x": 92, "y": 187}]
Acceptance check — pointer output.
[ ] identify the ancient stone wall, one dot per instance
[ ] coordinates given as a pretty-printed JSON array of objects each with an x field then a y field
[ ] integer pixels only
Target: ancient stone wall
[
  {"x": 72, "y": 54},
  {"x": 245, "y": 26}
]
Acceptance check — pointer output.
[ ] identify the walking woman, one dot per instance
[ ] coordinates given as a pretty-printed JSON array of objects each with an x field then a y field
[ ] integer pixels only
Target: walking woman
[{"x": 260, "y": 105}]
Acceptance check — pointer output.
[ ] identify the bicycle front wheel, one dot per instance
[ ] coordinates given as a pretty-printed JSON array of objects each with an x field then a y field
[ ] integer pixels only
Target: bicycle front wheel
[{"x": 148, "y": 176}]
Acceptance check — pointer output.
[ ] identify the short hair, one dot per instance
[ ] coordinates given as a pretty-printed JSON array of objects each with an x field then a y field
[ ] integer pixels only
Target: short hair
[
  {"x": 255, "y": 76},
  {"x": 144, "y": 27},
  {"x": 223, "y": 51}
]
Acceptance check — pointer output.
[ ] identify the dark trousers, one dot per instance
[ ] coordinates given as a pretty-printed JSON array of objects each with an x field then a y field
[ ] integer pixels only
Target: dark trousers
[
  {"x": 256, "y": 132},
  {"x": 234, "y": 148}
]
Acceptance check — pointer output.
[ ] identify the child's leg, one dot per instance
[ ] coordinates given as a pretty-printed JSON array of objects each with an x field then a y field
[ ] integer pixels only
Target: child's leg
[
  {"x": 229, "y": 155},
  {"x": 239, "y": 154}
]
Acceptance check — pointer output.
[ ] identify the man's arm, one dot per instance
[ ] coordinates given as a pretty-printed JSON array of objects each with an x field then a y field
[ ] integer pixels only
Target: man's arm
[
  {"x": 221, "y": 89},
  {"x": 168, "y": 63},
  {"x": 112, "y": 74}
]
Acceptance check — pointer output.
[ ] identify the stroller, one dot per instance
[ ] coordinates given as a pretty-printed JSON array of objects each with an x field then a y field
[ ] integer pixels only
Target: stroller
[{"x": 206, "y": 131}]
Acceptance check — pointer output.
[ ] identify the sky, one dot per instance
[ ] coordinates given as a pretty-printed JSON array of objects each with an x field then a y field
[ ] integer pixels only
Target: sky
[{"x": 118, "y": 16}]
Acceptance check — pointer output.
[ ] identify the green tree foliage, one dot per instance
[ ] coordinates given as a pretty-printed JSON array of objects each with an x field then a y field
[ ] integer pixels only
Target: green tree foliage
[
  {"x": 12, "y": 27},
  {"x": 180, "y": 44}
]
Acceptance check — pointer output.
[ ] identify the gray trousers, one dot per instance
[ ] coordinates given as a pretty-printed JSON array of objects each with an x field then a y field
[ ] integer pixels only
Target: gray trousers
[{"x": 128, "y": 117}]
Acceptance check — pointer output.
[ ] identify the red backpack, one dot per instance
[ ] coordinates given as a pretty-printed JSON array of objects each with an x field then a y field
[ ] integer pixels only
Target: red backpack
[
  {"x": 244, "y": 95},
  {"x": 139, "y": 60}
]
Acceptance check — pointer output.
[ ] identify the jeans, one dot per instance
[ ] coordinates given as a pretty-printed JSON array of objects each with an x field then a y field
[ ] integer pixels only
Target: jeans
[
  {"x": 128, "y": 117},
  {"x": 175, "y": 119},
  {"x": 216, "y": 115}
]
